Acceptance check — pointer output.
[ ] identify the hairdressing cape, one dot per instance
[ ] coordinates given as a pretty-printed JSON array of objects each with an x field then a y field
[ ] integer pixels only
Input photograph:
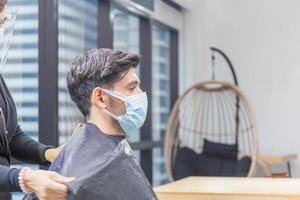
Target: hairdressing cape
[{"x": 104, "y": 166}]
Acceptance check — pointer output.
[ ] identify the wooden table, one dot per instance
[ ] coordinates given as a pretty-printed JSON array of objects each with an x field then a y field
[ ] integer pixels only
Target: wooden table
[
  {"x": 284, "y": 159},
  {"x": 228, "y": 188}
]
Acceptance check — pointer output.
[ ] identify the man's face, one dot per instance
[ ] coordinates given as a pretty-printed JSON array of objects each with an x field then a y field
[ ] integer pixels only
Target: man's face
[{"x": 128, "y": 85}]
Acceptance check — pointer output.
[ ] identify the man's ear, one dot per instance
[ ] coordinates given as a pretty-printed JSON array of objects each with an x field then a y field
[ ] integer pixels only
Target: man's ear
[{"x": 97, "y": 98}]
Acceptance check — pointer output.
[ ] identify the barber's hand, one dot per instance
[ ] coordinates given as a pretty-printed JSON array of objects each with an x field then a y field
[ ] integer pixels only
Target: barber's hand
[
  {"x": 51, "y": 154},
  {"x": 46, "y": 185}
]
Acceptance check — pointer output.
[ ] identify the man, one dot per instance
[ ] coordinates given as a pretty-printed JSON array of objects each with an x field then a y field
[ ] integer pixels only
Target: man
[
  {"x": 14, "y": 143},
  {"x": 106, "y": 89}
]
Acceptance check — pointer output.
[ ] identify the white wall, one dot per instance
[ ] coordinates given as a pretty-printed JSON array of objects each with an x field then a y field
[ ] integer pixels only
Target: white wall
[{"x": 262, "y": 38}]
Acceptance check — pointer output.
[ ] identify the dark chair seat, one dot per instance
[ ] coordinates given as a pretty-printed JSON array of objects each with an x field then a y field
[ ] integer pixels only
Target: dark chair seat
[{"x": 215, "y": 160}]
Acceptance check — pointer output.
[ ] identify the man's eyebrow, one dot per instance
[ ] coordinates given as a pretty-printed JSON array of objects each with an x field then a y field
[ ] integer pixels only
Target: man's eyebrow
[{"x": 133, "y": 83}]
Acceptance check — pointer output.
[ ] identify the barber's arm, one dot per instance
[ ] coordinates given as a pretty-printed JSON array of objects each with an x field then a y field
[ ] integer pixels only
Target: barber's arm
[
  {"x": 9, "y": 179},
  {"x": 26, "y": 149},
  {"x": 45, "y": 184}
]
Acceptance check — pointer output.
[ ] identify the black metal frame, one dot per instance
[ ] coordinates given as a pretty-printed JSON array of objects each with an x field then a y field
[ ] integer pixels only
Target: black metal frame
[
  {"x": 237, "y": 116},
  {"x": 146, "y": 80},
  {"x": 105, "y": 32},
  {"x": 48, "y": 72},
  {"x": 174, "y": 62}
]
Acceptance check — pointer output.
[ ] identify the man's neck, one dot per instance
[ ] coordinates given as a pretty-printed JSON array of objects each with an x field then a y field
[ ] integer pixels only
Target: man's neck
[{"x": 106, "y": 124}]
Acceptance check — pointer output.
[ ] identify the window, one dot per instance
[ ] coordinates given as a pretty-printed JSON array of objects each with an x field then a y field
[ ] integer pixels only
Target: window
[
  {"x": 125, "y": 30},
  {"x": 21, "y": 70},
  {"x": 126, "y": 38},
  {"x": 160, "y": 96},
  {"x": 77, "y": 24}
]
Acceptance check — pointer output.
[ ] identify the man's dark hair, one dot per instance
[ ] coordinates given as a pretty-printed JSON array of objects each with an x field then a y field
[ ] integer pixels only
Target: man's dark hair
[{"x": 96, "y": 68}]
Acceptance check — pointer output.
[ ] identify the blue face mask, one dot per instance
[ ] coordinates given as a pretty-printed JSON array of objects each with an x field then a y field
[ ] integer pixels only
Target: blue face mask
[{"x": 136, "y": 110}]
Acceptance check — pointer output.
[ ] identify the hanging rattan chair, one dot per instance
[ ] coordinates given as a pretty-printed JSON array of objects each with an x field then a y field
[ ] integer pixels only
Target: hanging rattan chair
[{"x": 206, "y": 120}]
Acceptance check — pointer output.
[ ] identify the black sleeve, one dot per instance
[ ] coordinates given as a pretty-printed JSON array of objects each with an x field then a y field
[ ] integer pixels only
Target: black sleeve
[
  {"x": 26, "y": 149},
  {"x": 9, "y": 179}
]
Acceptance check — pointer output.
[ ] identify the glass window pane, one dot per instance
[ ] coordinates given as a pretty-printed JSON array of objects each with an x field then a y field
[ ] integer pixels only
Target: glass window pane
[
  {"x": 160, "y": 96},
  {"x": 77, "y": 24},
  {"x": 159, "y": 171},
  {"x": 21, "y": 70},
  {"x": 125, "y": 30},
  {"x": 126, "y": 38}
]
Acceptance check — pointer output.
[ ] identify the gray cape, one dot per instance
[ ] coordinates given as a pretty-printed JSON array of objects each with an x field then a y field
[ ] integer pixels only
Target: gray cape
[{"x": 104, "y": 166}]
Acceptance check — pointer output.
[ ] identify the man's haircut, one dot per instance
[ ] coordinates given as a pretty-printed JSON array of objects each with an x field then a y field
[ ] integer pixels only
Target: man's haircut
[{"x": 96, "y": 68}]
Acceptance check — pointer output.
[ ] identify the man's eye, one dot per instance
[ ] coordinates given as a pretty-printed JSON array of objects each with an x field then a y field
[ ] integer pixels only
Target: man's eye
[{"x": 132, "y": 88}]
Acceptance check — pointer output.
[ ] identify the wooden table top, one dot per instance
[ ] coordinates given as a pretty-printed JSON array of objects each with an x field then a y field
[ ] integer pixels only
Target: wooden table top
[
  {"x": 278, "y": 159},
  {"x": 230, "y": 188}
]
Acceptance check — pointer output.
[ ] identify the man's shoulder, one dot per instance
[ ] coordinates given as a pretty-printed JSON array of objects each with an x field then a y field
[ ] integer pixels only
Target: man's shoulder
[
  {"x": 86, "y": 133},
  {"x": 88, "y": 140}
]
